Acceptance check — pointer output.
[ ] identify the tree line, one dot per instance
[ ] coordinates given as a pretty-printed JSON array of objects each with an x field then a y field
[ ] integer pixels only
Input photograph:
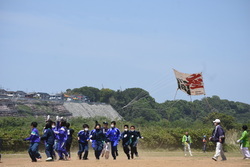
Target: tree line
[{"x": 136, "y": 105}]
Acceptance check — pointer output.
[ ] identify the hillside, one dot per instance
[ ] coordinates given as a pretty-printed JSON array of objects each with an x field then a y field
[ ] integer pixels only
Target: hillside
[
  {"x": 10, "y": 107},
  {"x": 136, "y": 104},
  {"x": 31, "y": 107},
  {"x": 87, "y": 110}
]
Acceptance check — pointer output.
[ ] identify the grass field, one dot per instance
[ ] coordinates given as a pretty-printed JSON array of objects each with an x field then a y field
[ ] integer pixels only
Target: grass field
[{"x": 146, "y": 159}]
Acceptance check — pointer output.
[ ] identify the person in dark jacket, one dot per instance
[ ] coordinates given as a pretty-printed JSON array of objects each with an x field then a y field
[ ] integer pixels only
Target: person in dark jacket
[
  {"x": 49, "y": 139},
  {"x": 218, "y": 136},
  {"x": 135, "y": 135},
  {"x": 83, "y": 138},
  {"x": 99, "y": 138},
  {"x": 125, "y": 136},
  {"x": 69, "y": 138}
]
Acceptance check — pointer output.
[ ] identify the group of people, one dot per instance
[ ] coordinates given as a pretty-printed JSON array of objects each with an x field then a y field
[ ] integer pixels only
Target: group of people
[
  {"x": 105, "y": 140},
  {"x": 57, "y": 137},
  {"x": 218, "y": 137}
]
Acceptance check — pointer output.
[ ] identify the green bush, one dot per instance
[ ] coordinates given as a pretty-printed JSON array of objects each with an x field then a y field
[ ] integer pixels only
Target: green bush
[{"x": 157, "y": 135}]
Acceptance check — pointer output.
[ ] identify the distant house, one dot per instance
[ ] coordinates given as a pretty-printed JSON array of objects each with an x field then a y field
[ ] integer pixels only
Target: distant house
[
  {"x": 20, "y": 94},
  {"x": 10, "y": 93},
  {"x": 56, "y": 97},
  {"x": 41, "y": 95},
  {"x": 3, "y": 92},
  {"x": 77, "y": 98},
  {"x": 30, "y": 95},
  {"x": 67, "y": 97}
]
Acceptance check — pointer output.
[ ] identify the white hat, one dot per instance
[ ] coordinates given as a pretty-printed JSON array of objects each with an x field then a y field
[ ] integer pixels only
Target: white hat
[{"x": 216, "y": 121}]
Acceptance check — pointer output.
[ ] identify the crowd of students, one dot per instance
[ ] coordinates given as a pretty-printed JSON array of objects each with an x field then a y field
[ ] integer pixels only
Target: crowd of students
[{"x": 57, "y": 137}]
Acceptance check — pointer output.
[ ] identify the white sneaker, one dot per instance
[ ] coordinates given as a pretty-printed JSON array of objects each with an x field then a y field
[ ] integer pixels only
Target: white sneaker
[
  {"x": 214, "y": 159},
  {"x": 49, "y": 159}
]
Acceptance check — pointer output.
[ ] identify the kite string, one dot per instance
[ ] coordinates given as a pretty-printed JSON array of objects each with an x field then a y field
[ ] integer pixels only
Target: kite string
[
  {"x": 156, "y": 86},
  {"x": 175, "y": 94}
]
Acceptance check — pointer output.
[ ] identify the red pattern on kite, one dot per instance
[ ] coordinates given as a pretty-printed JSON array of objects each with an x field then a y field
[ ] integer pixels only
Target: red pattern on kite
[{"x": 195, "y": 81}]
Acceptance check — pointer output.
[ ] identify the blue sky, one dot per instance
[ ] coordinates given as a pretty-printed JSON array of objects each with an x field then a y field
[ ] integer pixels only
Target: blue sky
[{"x": 51, "y": 46}]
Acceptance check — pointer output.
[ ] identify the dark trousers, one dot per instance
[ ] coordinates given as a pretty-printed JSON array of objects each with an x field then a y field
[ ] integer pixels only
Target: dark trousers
[
  {"x": 133, "y": 151},
  {"x": 113, "y": 149},
  {"x": 83, "y": 147},
  {"x": 204, "y": 147},
  {"x": 33, "y": 151},
  {"x": 68, "y": 145},
  {"x": 97, "y": 154},
  {"x": 126, "y": 150},
  {"x": 98, "y": 149},
  {"x": 49, "y": 150}
]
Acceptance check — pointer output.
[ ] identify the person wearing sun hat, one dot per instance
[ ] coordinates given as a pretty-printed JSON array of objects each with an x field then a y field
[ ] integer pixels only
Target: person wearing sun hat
[{"x": 218, "y": 136}]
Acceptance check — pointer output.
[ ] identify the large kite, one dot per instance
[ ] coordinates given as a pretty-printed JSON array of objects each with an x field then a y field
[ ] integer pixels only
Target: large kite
[{"x": 192, "y": 84}]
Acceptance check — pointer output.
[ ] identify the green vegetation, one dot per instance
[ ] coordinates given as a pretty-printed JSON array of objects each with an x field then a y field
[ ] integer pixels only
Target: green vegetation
[
  {"x": 136, "y": 105},
  {"x": 161, "y": 124}
]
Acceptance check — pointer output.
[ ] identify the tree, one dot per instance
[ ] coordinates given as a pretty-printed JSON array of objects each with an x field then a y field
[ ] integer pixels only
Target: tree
[
  {"x": 227, "y": 121},
  {"x": 92, "y": 93},
  {"x": 106, "y": 94}
]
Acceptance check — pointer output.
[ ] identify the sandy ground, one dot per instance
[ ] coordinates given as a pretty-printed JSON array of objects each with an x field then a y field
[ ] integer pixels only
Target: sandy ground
[{"x": 146, "y": 159}]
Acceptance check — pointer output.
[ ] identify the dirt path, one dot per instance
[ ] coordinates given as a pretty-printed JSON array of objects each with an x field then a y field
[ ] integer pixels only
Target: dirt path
[{"x": 146, "y": 159}]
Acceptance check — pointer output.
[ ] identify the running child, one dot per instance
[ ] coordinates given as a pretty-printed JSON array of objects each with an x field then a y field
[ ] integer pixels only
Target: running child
[
  {"x": 34, "y": 143},
  {"x": 62, "y": 137},
  {"x": 49, "y": 139},
  {"x": 69, "y": 138},
  {"x": 106, "y": 145},
  {"x": 55, "y": 147},
  {"x": 83, "y": 138},
  {"x": 113, "y": 135},
  {"x": 134, "y": 135},
  {"x": 125, "y": 136},
  {"x": 99, "y": 138}
]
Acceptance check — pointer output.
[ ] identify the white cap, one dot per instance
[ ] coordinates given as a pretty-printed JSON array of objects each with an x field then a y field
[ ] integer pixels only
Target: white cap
[{"x": 216, "y": 121}]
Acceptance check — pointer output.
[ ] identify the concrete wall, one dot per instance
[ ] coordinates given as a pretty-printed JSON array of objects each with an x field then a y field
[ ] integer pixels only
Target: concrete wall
[{"x": 92, "y": 110}]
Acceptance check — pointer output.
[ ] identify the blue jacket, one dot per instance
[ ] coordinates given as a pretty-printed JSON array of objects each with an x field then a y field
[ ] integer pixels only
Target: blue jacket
[
  {"x": 83, "y": 136},
  {"x": 55, "y": 130},
  {"x": 34, "y": 136},
  {"x": 113, "y": 134},
  {"x": 48, "y": 136},
  {"x": 218, "y": 133},
  {"x": 62, "y": 134}
]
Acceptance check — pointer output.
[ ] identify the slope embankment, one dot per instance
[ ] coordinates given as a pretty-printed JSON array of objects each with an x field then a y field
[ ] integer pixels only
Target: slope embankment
[{"x": 87, "y": 110}]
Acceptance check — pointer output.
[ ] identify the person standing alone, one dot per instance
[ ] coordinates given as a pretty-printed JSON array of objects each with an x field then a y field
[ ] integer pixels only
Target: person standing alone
[{"x": 187, "y": 141}]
